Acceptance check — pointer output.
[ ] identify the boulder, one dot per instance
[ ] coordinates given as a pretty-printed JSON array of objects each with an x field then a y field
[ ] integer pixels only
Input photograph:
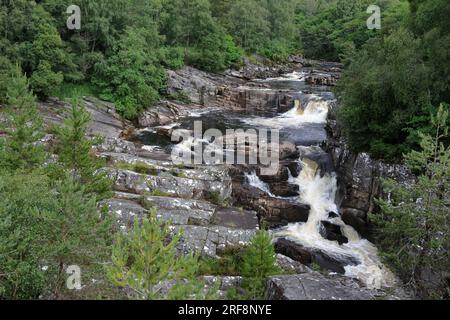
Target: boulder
[
  {"x": 207, "y": 240},
  {"x": 332, "y": 232},
  {"x": 357, "y": 219},
  {"x": 291, "y": 266},
  {"x": 295, "y": 168},
  {"x": 312, "y": 286},
  {"x": 105, "y": 121},
  {"x": 321, "y": 79},
  {"x": 236, "y": 218},
  {"x": 332, "y": 215},
  {"x": 308, "y": 256},
  {"x": 284, "y": 189},
  {"x": 164, "y": 113},
  {"x": 129, "y": 181},
  {"x": 273, "y": 211}
]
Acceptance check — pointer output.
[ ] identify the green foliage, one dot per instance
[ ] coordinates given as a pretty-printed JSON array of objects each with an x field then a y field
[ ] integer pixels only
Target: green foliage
[
  {"x": 74, "y": 150},
  {"x": 258, "y": 262},
  {"x": 171, "y": 57},
  {"x": 72, "y": 91},
  {"x": 48, "y": 219},
  {"x": 254, "y": 262},
  {"x": 414, "y": 224},
  {"x": 336, "y": 30},
  {"x": 23, "y": 127},
  {"x": 6, "y": 71},
  {"x": 216, "y": 52},
  {"x": 247, "y": 22},
  {"x": 216, "y": 198},
  {"x": 139, "y": 167},
  {"x": 228, "y": 264},
  {"x": 44, "y": 79},
  {"x": 275, "y": 50},
  {"x": 382, "y": 112},
  {"x": 145, "y": 258},
  {"x": 132, "y": 78},
  {"x": 377, "y": 103},
  {"x": 43, "y": 232}
]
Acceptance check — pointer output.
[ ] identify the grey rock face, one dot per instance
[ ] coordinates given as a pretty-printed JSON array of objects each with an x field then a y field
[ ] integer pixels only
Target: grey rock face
[
  {"x": 309, "y": 256},
  {"x": 200, "y": 86},
  {"x": 162, "y": 114},
  {"x": 125, "y": 211},
  {"x": 359, "y": 179},
  {"x": 207, "y": 240},
  {"x": 117, "y": 145},
  {"x": 312, "y": 286},
  {"x": 317, "y": 286},
  {"x": 105, "y": 121},
  {"x": 236, "y": 218},
  {"x": 291, "y": 266},
  {"x": 273, "y": 211},
  {"x": 129, "y": 181}
]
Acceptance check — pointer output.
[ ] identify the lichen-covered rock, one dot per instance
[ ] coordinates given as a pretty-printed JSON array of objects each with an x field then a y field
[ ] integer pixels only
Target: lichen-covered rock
[
  {"x": 116, "y": 145},
  {"x": 125, "y": 212},
  {"x": 105, "y": 121},
  {"x": 273, "y": 211},
  {"x": 236, "y": 218},
  {"x": 359, "y": 179},
  {"x": 309, "y": 256},
  {"x": 182, "y": 211},
  {"x": 163, "y": 113},
  {"x": 312, "y": 286},
  {"x": 207, "y": 240},
  {"x": 291, "y": 266},
  {"x": 129, "y": 181}
]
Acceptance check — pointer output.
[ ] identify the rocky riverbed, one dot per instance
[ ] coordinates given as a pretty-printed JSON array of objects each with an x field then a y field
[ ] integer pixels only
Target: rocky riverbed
[{"x": 223, "y": 206}]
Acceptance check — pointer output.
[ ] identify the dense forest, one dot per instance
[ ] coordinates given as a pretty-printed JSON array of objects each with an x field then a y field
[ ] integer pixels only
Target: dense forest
[
  {"x": 124, "y": 46},
  {"x": 394, "y": 81}
]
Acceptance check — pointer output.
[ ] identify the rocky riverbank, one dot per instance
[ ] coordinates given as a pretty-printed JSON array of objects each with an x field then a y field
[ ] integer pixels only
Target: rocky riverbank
[{"x": 214, "y": 205}]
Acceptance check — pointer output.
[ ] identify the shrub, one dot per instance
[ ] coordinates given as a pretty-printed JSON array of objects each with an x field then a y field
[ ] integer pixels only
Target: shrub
[
  {"x": 145, "y": 258},
  {"x": 139, "y": 167},
  {"x": 413, "y": 225},
  {"x": 258, "y": 262}
]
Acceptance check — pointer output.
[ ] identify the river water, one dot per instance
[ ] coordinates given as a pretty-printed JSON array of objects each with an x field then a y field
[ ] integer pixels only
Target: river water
[{"x": 303, "y": 125}]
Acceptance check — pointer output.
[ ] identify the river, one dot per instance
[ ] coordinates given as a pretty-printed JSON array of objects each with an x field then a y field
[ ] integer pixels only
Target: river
[{"x": 304, "y": 126}]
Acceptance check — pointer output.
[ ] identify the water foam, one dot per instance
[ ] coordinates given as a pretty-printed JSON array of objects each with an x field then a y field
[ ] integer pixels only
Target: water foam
[
  {"x": 319, "y": 192},
  {"x": 315, "y": 112}
]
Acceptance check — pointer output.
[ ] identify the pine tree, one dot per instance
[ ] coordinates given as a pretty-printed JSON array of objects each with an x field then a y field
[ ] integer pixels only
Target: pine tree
[
  {"x": 75, "y": 153},
  {"x": 414, "y": 224},
  {"x": 44, "y": 227},
  {"x": 259, "y": 262},
  {"x": 83, "y": 234},
  {"x": 145, "y": 258},
  {"x": 20, "y": 149}
]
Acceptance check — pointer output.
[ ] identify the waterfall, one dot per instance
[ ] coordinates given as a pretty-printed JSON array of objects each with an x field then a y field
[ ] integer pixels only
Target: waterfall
[
  {"x": 315, "y": 111},
  {"x": 319, "y": 192},
  {"x": 254, "y": 181},
  {"x": 294, "y": 76}
]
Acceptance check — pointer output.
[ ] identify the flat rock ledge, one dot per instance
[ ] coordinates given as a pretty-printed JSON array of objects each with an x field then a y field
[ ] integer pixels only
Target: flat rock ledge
[{"x": 316, "y": 286}]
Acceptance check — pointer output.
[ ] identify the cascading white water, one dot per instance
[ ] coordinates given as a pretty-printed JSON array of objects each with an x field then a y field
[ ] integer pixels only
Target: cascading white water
[
  {"x": 255, "y": 181},
  {"x": 315, "y": 112},
  {"x": 319, "y": 192},
  {"x": 294, "y": 76}
]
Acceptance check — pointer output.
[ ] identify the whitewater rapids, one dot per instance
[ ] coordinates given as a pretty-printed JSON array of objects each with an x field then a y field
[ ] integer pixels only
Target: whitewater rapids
[{"x": 319, "y": 192}]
